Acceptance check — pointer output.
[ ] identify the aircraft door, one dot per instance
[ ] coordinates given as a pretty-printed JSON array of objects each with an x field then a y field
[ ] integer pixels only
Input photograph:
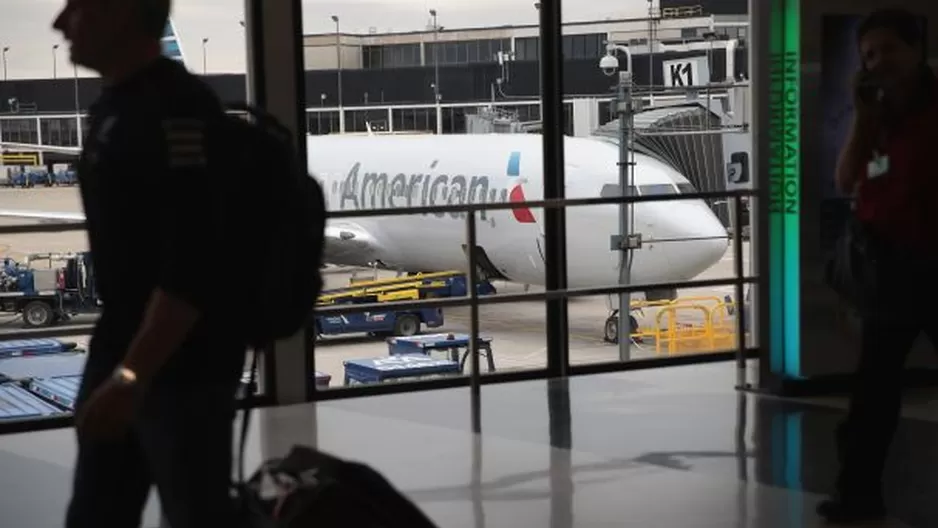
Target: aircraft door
[
  {"x": 517, "y": 258},
  {"x": 541, "y": 247},
  {"x": 486, "y": 269}
]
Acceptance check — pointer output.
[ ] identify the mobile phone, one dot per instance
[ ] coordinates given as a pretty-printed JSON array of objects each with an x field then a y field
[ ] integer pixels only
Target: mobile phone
[{"x": 869, "y": 88}]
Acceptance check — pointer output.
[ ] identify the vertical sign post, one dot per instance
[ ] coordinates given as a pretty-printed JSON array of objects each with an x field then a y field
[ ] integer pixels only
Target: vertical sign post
[{"x": 785, "y": 188}]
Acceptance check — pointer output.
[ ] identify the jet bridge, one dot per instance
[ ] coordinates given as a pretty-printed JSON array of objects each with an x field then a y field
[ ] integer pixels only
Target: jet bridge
[{"x": 686, "y": 136}]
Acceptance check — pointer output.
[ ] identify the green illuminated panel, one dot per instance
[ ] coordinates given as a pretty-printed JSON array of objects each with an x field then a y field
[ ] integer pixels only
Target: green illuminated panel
[{"x": 785, "y": 188}]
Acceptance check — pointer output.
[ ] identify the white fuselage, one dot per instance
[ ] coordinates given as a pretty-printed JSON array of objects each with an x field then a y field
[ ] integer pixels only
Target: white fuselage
[{"x": 681, "y": 238}]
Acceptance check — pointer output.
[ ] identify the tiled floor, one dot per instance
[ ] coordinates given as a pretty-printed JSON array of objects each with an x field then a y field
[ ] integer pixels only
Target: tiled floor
[{"x": 668, "y": 448}]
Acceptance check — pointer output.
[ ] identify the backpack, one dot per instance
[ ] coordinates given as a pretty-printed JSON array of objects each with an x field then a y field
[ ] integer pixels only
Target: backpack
[
  {"x": 273, "y": 215},
  {"x": 309, "y": 488}
]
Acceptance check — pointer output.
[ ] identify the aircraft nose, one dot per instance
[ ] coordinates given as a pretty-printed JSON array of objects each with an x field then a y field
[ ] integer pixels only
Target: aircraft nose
[
  {"x": 705, "y": 239},
  {"x": 711, "y": 238}
]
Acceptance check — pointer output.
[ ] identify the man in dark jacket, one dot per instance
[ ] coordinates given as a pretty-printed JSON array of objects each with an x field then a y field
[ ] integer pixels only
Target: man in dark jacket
[{"x": 158, "y": 396}]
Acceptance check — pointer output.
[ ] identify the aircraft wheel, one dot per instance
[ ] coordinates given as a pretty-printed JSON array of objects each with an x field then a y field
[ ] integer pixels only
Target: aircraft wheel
[
  {"x": 406, "y": 325},
  {"x": 611, "y": 328},
  {"x": 38, "y": 313}
]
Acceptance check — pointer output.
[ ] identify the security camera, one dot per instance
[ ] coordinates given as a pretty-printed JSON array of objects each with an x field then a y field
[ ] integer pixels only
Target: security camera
[{"x": 609, "y": 65}]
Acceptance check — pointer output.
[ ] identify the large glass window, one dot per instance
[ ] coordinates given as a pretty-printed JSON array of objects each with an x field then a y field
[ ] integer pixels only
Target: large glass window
[
  {"x": 415, "y": 120},
  {"x": 321, "y": 122},
  {"x": 371, "y": 57},
  {"x": 59, "y": 131},
  {"x": 454, "y": 120},
  {"x": 391, "y": 56},
  {"x": 424, "y": 256},
  {"x": 525, "y": 113},
  {"x": 584, "y": 46},
  {"x": 19, "y": 130},
  {"x": 465, "y": 51},
  {"x": 526, "y": 49},
  {"x": 359, "y": 120},
  {"x": 575, "y": 47},
  {"x": 607, "y": 112}
]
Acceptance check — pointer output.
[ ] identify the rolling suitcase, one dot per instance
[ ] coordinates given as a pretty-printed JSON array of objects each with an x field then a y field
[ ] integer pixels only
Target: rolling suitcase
[{"x": 311, "y": 489}]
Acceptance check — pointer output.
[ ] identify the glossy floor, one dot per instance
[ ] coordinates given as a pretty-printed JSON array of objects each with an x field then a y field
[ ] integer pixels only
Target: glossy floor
[{"x": 667, "y": 448}]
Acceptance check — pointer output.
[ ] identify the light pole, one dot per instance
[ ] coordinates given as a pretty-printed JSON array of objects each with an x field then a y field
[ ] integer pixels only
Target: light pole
[
  {"x": 247, "y": 68},
  {"x": 540, "y": 95},
  {"x": 204, "y": 55},
  {"x": 77, "y": 106},
  {"x": 710, "y": 36},
  {"x": 436, "y": 58},
  {"x": 624, "y": 242},
  {"x": 6, "y": 49},
  {"x": 338, "y": 59},
  {"x": 55, "y": 61},
  {"x": 338, "y": 62},
  {"x": 322, "y": 105}
]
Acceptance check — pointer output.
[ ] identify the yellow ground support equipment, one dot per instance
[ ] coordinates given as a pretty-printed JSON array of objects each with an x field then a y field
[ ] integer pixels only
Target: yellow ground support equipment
[
  {"x": 409, "y": 288},
  {"x": 689, "y": 325},
  {"x": 22, "y": 159}
]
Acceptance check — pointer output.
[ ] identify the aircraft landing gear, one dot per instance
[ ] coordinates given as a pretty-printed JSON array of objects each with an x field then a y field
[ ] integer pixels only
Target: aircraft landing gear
[{"x": 611, "y": 328}]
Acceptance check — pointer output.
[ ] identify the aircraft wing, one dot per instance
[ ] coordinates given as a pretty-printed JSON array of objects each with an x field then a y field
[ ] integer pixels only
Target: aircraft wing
[
  {"x": 7, "y": 145},
  {"x": 43, "y": 215},
  {"x": 347, "y": 243}
]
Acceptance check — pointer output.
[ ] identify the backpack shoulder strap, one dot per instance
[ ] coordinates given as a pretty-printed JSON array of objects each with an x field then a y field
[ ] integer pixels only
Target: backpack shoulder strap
[{"x": 246, "y": 418}]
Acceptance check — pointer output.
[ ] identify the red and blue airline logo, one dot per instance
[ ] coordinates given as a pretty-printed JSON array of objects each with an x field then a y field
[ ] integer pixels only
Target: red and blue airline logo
[{"x": 516, "y": 195}]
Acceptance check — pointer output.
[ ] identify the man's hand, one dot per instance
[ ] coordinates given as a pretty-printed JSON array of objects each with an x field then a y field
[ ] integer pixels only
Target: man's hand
[
  {"x": 864, "y": 135},
  {"x": 108, "y": 412}
]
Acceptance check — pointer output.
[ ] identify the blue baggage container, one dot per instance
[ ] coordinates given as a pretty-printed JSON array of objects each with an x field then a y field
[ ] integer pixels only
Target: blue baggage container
[
  {"x": 67, "y": 177},
  {"x": 63, "y": 391},
  {"x": 451, "y": 344},
  {"x": 25, "y": 368},
  {"x": 17, "y": 403},
  {"x": 423, "y": 344},
  {"x": 378, "y": 370},
  {"x": 32, "y": 347}
]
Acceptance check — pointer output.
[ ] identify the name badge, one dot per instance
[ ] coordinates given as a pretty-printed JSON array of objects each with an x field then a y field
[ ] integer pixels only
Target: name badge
[{"x": 878, "y": 167}]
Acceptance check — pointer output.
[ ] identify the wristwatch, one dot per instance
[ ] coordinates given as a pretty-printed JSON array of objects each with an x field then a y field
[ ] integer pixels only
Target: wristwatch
[{"x": 124, "y": 376}]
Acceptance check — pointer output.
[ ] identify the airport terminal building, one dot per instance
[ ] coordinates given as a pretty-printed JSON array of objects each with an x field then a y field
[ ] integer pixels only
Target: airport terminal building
[{"x": 431, "y": 80}]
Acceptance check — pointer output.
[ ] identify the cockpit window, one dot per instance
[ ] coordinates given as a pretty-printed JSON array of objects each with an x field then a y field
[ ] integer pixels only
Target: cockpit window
[
  {"x": 611, "y": 190},
  {"x": 657, "y": 189},
  {"x": 686, "y": 188}
]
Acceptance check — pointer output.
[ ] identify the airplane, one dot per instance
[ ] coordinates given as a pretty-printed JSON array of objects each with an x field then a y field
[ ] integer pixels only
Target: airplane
[{"x": 680, "y": 239}]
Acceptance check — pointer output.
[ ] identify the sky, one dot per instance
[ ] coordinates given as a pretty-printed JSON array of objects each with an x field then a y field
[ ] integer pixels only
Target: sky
[{"x": 26, "y": 25}]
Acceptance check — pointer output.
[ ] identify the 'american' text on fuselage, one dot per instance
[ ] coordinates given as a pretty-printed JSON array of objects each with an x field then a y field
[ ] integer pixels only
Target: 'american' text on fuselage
[{"x": 374, "y": 190}]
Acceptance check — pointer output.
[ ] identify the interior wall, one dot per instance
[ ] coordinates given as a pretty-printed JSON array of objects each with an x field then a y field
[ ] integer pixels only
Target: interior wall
[{"x": 829, "y": 335}]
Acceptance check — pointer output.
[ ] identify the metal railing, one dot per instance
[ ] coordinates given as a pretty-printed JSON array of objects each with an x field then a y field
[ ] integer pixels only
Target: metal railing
[
  {"x": 474, "y": 380},
  {"x": 473, "y": 301}
]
